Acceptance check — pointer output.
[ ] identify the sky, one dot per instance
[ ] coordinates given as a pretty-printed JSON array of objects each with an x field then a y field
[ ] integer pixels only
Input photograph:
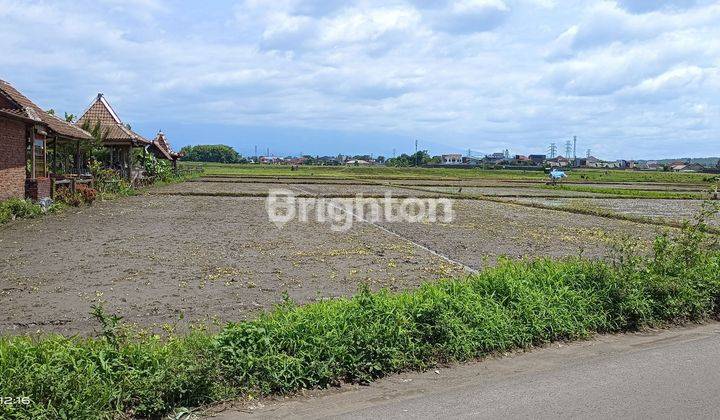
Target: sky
[{"x": 630, "y": 78}]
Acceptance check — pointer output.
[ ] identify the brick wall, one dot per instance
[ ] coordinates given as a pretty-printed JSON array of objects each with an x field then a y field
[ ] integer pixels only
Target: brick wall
[
  {"x": 12, "y": 159},
  {"x": 38, "y": 188}
]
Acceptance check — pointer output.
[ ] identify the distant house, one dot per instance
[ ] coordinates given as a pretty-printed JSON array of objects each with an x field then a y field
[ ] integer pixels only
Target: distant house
[
  {"x": 270, "y": 159},
  {"x": 470, "y": 160},
  {"x": 495, "y": 157},
  {"x": 26, "y": 131},
  {"x": 626, "y": 164},
  {"x": 590, "y": 162},
  {"x": 160, "y": 148},
  {"x": 558, "y": 162},
  {"x": 689, "y": 167},
  {"x": 297, "y": 161},
  {"x": 650, "y": 165},
  {"x": 357, "y": 162},
  {"x": 451, "y": 159},
  {"x": 117, "y": 137},
  {"x": 537, "y": 159}
]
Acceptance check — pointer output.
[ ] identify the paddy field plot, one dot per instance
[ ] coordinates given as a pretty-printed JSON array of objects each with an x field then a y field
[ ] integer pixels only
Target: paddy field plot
[{"x": 205, "y": 252}]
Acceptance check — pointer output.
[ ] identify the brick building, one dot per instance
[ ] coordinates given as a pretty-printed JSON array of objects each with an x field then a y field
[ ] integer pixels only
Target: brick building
[
  {"x": 25, "y": 133},
  {"x": 13, "y": 149}
]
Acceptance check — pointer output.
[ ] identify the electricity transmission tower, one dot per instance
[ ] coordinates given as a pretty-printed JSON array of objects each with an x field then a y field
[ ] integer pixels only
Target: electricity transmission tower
[
  {"x": 568, "y": 149},
  {"x": 574, "y": 147},
  {"x": 588, "y": 153},
  {"x": 552, "y": 150}
]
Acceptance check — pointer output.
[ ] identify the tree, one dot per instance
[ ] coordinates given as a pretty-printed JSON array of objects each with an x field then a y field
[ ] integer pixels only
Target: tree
[
  {"x": 219, "y": 153},
  {"x": 416, "y": 159}
]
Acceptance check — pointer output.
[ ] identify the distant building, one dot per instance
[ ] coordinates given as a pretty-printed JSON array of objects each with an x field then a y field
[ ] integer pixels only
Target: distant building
[
  {"x": 357, "y": 162},
  {"x": 451, "y": 159},
  {"x": 161, "y": 149},
  {"x": 270, "y": 159},
  {"x": 688, "y": 167},
  {"x": 297, "y": 161},
  {"x": 537, "y": 159},
  {"x": 650, "y": 165},
  {"x": 590, "y": 162},
  {"x": 558, "y": 162},
  {"x": 26, "y": 131}
]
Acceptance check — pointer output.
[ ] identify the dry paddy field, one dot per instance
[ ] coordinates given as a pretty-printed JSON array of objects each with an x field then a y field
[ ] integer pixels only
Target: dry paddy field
[{"x": 203, "y": 252}]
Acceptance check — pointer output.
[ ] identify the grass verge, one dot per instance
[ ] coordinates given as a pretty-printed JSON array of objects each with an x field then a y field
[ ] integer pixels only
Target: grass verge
[{"x": 517, "y": 304}]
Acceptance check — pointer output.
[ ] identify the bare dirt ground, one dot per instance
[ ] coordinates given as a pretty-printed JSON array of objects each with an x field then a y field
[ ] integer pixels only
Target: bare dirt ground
[
  {"x": 663, "y": 209},
  {"x": 327, "y": 190},
  {"x": 157, "y": 259},
  {"x": 512, "y": 191},
  {"x": 483, "y": 231}
]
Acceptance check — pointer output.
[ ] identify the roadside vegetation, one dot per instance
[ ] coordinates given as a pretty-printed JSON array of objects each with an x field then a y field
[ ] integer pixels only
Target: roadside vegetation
[{"x": 517, "y": 304}]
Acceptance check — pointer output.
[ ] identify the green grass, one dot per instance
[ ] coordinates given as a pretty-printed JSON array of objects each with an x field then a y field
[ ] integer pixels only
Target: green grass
[
  {"x": 628, "y": 192},
  {"x": 518, "y": 304},
  {"x": 382, "y": 172}
]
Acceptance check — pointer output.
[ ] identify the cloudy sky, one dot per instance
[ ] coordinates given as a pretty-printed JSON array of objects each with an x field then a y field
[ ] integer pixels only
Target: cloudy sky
[{"x": 630, "y": 78}]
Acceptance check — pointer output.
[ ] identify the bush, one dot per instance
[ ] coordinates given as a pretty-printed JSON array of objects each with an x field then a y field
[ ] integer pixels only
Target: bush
[
  {"x": 519, "y": 303},
  {"x": 67, "y": 196},
  {"x": 159, "y": 168},
  {"x": 15, "y": 208},
  {"x": 89, "y": 195}
]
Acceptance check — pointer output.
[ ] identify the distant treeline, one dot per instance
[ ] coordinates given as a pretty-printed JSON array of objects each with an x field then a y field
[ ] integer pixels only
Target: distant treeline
[{"x": 219, "y": 153}]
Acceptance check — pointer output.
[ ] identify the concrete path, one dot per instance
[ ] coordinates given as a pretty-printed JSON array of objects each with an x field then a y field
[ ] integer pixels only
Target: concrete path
[{"x": 662, "y": 374}]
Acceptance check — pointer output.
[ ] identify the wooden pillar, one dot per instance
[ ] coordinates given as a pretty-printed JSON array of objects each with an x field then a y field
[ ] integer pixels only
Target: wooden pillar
[
  {"x": 77, "y": 157},
  {"x": 127, "y": 162},
  {"x": 54, "y": 155}
]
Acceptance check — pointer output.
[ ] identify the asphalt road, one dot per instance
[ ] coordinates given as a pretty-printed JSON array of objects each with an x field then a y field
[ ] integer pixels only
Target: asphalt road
[{"x": 663, "y": 374}]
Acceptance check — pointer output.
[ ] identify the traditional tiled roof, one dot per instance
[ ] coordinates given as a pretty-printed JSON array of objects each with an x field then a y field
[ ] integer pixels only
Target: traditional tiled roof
[
  {"x": 163, "y": 148},
  {"x": 110, "y": 124},
  {"x": 14, "y": 102}
]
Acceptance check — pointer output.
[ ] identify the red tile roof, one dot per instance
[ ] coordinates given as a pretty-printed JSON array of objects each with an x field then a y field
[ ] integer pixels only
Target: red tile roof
[
  {"x": 163, "y": 146},
  {"x": 16, "y": 103},
  {"x": 116, "y": 132}
]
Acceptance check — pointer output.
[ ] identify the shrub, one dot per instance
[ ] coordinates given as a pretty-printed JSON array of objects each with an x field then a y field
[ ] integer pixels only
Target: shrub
[
  {"x": 159, "y": 169},
  {"x": 89, "y": 195},
  {"x": 67, "y": 196},
  {"x": 519, "y": 303},
  {"x": 15, "y": 208}
]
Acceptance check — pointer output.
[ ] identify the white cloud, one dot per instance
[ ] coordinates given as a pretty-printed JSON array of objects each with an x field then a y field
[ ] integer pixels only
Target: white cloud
[{"x": 478, "y": 74}]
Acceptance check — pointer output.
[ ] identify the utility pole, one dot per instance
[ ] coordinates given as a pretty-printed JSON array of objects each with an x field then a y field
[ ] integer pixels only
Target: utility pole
[
  {"x": 416, "y": 154},
  {"x": 552, "y": 150}
]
